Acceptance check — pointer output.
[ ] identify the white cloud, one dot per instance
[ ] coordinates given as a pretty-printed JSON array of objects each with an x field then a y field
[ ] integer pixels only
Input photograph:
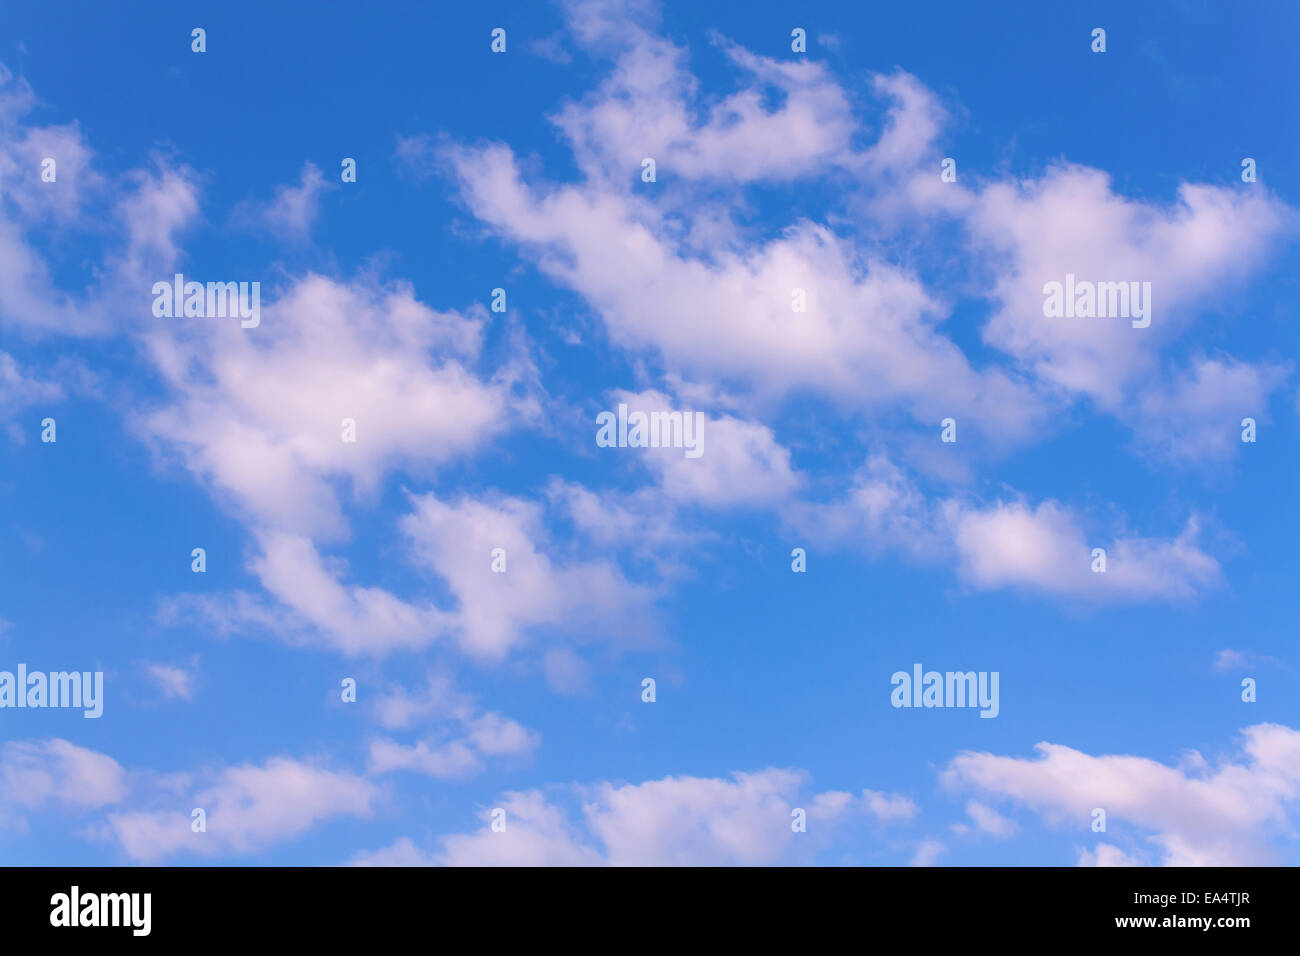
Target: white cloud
[
  {"x": 249, "y": 808},
  {"x": 1044, "y": 548},
  {"x": 1230, "y": 660},
  {"x": 404, "y": 852},
  {"x": 30, "y": 303},
  {"x": 488, "y": 614},
  {"x": 455, "y": 541},
  {"x": 448, "y": 761},
  {"x": 928, "y": 853},
  {"x": 351, "y": 618},
  {"x": 1071, "y": 221},
  {"x": 868, "y": 336},
  {"x": 646, "y": 106},
  {"x": 835, "y": 805},
  {"x": 912, "y": 124},
  {"x": 888, "y": 807},
  {"x": 464, "y": 734},
  {"x": 883, "y": 510},
  {"x": 164, "y": 202},
  {"x": 1106, "y": 854},
  {"x": 989, "y": 821},
  {"x": 692, "y": 821},
  {"x": 1195, "y": 817},
  {"x": 1198, "y": 415},
  {"x": 675, "y": 821},
  {"x": 675, "y": 273},
  {"x": 536, "y": 834},
  {"x": 645, "y": 521},
  {"x": 398, "y": 708},
  {"x": 295, "y": 208},
  {"x": 1226, "y": 660},
  {"x": 39, "y": 774},
  {"x": 259, "y": 412},
  {"x": 174, "y": 682},
  {"x": 740, "y": 462},
  {"x": 416, "y": 155},
  {"x": 671, "y": 272},
  {"x": 1008, "y": 544},
  {"x": 20, "y": 389}
]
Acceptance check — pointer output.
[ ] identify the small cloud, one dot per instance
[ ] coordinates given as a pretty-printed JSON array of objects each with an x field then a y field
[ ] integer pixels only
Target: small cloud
[
  {"x": 928, "y": 853},
  {"x": 886, "y": 807},
  {"x": 552, "y": 50},
  {"x": 462, "y": 735},
  {"x": 402, "y": 853},
  {"x": 293, "y": 211},
  {"x": 174, "y": 682},
  {"x": 1107, "y": 855},
  {"x": 987, "y": 820},
  {"x": 416, "y": 156},
  {"x": 1230, "y": 660}
]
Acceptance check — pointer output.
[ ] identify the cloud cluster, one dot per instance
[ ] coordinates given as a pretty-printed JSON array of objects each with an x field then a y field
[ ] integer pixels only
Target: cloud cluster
[
  {"x": 677, "y": 821},
  {"x": 1046, "y": 548},
  {"x": 466, "y": 735},
  {"x": 149, "y": 815},
  {"x": 1193, "y": 815}
]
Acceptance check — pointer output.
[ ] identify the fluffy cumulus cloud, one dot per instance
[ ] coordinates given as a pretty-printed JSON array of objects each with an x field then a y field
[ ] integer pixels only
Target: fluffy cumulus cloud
[
  {"x": 871, "y": 332},
  {"x": 402, "y": 853},
  {"x": 1200, "y": 413},
  {"x": 1190, "y": 251},
  {"x": 1193, "y": 815},
  {"x": 643, "y": 108},
  {"x": 866, "y": 336},
  {"x": 456, "y": 540},
  {"x": 261, "y": 416},
  {"x": 717, "y": 461},
  {"x": 984, "y": 820},
  {"x": 173, "y": 682},
  {"x": 1231, "y": 660},
  {"x": 1046, "y": 548},
  {"x": 248, "y": 807},
  {"x": 352, "y": 618},
  {"x": 676, "y": 280},
  {"x": 293, "y": 211},
  {"x": 20, "y": 388},
  {"x": 1106, "y": 854},
  {"x": 30, "y": 302},
  {"x": 43, "y": 774},
  {"x": 505, "y": 576},
  {"x": 466, "y": 735},
  {"x": 266, "y": 418},
  {"x": 343, "y": 431},
  {"x": 928, "y": 852},
  {"x": 676, "y": 821}
]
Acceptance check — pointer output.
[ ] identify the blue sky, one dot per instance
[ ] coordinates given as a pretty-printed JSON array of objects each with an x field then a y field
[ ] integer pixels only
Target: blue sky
[{"x": 775, "y": 170}]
